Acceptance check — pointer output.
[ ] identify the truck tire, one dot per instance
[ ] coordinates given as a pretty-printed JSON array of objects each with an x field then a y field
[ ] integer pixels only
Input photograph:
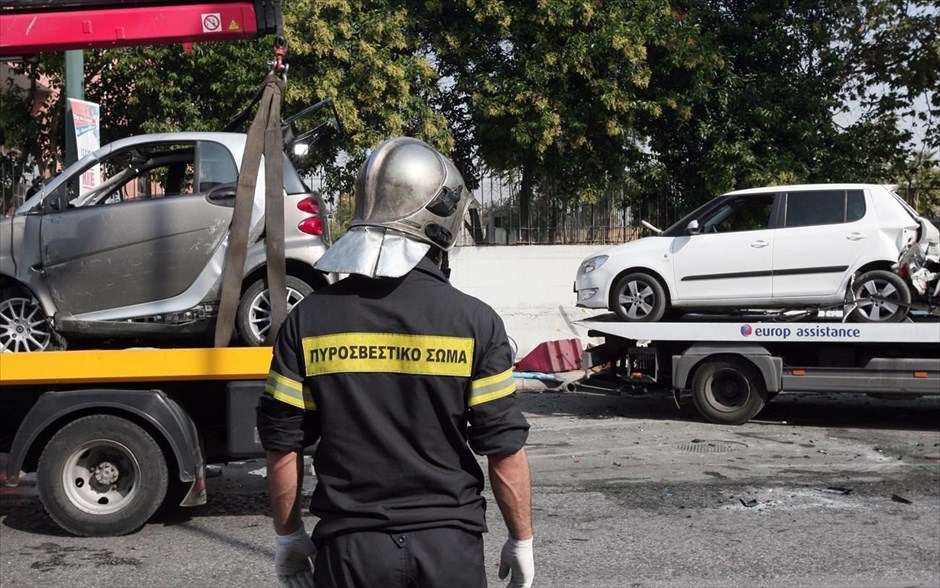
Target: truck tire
[
  {"x": 254, "y": 311},
  {"x": 729, "y": 391},
  {"x": 102, "y": 476},
  {"x": 638, "y": 297},
  {"x": 880, "y": 297}
]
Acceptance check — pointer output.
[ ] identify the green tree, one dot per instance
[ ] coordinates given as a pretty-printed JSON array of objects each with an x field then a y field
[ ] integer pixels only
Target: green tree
[
  {"x": 30, "y": 132},
  {"x": 774, "y": 111},
  {"x": 893, "y": 49},
  {"x": 551, "y": 89},
  {"x": 370, "y": 57},
  {"x": 763, "y": 115},
  {"x": 894, "y": 46},
  {"x": 662, "y": 101},
  {"x": 169, "y": 88}
]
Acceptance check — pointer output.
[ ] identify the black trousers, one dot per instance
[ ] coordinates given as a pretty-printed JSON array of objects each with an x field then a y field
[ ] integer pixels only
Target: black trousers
[{"x": 431, "y": 558}]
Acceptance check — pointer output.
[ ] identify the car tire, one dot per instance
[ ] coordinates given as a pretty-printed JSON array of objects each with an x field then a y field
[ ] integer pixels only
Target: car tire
[
  {"x": 253, "y": 319},
  {"x": 102, "y": 476},
  {"x": 728, "y": 391},
  {"x": 880, "y": 297},
  {"x": 638, "y": 297},
  {"x": 24, "y": 326}
]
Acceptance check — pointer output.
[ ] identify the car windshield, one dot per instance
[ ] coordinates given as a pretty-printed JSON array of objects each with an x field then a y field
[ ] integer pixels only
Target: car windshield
[{"x": 679, "y": 227}]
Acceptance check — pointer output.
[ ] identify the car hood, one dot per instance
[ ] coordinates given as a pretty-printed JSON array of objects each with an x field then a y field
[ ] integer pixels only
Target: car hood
[{"x": 641, "y": 249}]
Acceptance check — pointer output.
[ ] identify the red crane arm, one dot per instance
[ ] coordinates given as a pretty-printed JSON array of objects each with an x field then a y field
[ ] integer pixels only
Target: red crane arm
[{"x": 34, "y": 27}]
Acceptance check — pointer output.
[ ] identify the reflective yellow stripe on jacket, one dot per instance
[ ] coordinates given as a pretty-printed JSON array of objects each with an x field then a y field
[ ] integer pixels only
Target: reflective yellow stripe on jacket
[
  {"x": 491, "y": 388},
  {"x": 289, "y": 391}
]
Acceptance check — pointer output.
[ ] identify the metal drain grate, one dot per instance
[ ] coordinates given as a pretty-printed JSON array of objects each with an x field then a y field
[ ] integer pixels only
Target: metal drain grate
[{"x": 707, "y": 446}]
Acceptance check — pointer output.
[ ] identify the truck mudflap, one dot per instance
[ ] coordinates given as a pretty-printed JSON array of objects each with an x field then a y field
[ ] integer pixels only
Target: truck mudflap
[{"x": 165, "y": 417}]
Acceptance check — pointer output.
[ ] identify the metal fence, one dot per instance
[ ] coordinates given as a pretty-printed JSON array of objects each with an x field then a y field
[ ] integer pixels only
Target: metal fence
[{"x": 550, "y": 222}]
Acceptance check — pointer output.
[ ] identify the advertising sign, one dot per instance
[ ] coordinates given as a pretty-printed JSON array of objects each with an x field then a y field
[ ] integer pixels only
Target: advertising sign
[{"x": 86, "y": 117}]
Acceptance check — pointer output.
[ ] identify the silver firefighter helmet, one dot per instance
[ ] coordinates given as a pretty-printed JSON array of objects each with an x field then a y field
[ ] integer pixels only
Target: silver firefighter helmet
[{"x": 408, "y": 197}]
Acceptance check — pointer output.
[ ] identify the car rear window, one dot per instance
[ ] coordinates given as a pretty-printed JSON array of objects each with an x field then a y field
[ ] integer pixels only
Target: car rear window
[
  {"x": 824, "y": 207},
  {"x": 292, "y": 182}
]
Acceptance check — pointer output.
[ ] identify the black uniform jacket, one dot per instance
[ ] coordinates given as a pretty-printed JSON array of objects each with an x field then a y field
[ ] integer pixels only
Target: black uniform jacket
[{"x": 394, "y": 378}]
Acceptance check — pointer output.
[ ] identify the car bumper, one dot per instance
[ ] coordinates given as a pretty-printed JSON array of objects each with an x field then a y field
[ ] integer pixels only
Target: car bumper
[{"x": 591, "y": 289}]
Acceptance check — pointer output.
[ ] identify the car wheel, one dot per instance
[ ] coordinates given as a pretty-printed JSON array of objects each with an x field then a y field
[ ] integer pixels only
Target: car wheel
[
  {"x": 728, "y": 391},
  {"x": 101, "y": 475},
  {"x": 254, "y": 310},
  {"x": 638, "y": 297},
  {"x": 880, "y": 297},
  {"x": 23, "y": 324}
]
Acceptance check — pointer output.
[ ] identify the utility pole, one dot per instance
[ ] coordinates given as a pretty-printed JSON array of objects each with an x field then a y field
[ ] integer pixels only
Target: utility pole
[{"x": 74, "y": 88}]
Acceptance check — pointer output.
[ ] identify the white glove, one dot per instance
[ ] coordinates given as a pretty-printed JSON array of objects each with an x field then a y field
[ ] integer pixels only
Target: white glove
[
  {"x": 517, "y": 556},
  {"x": 292, "y": 555}
]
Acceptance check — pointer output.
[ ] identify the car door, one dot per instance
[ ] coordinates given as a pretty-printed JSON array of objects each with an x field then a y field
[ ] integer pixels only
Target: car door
[
  {"x": 821, "y": 235},
  {"x": 730, "y": 258},
  {"x": 143, "y": 235}
]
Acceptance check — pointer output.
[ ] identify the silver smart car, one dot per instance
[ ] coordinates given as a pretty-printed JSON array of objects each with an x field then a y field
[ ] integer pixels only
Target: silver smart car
[{"x": 129, "y": 243}]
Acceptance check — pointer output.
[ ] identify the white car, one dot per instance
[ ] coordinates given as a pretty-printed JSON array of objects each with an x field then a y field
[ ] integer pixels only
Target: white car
[{"x": 804, "y": 247}]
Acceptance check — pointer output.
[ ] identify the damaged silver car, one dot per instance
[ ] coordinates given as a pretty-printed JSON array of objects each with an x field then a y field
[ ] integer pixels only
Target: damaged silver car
[{"x": 130, "y": 242}]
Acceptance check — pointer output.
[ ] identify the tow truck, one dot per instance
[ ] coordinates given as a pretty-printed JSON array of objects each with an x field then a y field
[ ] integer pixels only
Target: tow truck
[
  {"x": 113, "y": 434},
  {"x": 731, "y": 366}
]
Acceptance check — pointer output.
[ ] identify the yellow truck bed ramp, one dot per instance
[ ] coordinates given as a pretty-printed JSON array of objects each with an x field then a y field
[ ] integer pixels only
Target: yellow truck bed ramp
[{"x": 134, "y": 365}]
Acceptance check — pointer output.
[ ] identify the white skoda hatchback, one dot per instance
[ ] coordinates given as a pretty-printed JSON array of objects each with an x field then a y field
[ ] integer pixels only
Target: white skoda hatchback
[{"x": 784, "y": 247}]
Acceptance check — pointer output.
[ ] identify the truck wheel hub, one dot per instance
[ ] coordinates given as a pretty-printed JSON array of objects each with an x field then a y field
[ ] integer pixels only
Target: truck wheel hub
[{"x": 106, "y": 473}]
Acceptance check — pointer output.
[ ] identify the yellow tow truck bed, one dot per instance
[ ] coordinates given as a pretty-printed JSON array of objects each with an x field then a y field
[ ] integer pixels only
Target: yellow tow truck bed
[{"x": 134, "y": 365}]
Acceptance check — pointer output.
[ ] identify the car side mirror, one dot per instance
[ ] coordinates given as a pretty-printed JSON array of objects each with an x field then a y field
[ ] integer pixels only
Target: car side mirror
[{"x": 693, "y": 227}]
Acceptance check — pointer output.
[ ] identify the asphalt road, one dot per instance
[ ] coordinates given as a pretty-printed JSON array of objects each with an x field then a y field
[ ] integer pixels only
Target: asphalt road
[{"x": 818, "y": 491}]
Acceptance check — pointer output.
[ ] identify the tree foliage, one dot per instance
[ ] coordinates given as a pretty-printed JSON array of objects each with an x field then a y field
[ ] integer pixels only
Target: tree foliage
[
  {"x": 554, "y": 88},
  {"x": 30, "y": 132},
  {"x": 656, "y": 100},
  {"x": 369, "y": 57},
  {"x": 170, "y": 88}
]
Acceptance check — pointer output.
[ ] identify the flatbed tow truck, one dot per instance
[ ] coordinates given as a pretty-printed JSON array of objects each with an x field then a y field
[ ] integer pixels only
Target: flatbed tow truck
[
  {"x": 730, "y": 368},
  {"x": 115, "y": 434}
]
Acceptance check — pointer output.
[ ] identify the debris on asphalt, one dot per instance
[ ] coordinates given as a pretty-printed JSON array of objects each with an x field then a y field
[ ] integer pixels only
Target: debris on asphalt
[
  {"x": 835, "y": 490},
  {"x": 901, "y": 499},
  {"x": 748, "y": 503},
  {"x": 537, "y": 376}
]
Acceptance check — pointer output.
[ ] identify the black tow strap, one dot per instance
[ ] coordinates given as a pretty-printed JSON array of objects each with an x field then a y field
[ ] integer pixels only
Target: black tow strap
[{"x": 264, "y": 137}]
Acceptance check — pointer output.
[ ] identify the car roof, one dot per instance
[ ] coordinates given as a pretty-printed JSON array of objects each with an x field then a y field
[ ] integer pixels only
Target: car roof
[
  {"x": 807, "y": 187},
  {"x": 234, "y": 139}
]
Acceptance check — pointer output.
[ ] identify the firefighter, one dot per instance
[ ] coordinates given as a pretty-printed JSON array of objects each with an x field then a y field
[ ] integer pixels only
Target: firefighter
[{"x": 400, "y": 378}]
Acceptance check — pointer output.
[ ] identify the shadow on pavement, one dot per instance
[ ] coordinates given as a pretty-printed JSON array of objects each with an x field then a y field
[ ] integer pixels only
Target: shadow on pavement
[{"x": 824, "y": 409}]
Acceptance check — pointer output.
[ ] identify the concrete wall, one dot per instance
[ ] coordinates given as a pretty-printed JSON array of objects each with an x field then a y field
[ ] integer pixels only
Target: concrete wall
[{"x": 530, "y": 286}]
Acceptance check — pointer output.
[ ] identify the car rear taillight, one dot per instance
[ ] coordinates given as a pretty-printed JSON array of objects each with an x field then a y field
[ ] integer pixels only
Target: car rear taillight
[
  {"x": 309, "y": 205},
  {"x": 311, "y": 226}
]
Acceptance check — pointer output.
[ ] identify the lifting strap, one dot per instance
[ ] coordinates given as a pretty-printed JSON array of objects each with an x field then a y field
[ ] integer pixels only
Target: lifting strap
[{"x": 264, "y": 136}]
